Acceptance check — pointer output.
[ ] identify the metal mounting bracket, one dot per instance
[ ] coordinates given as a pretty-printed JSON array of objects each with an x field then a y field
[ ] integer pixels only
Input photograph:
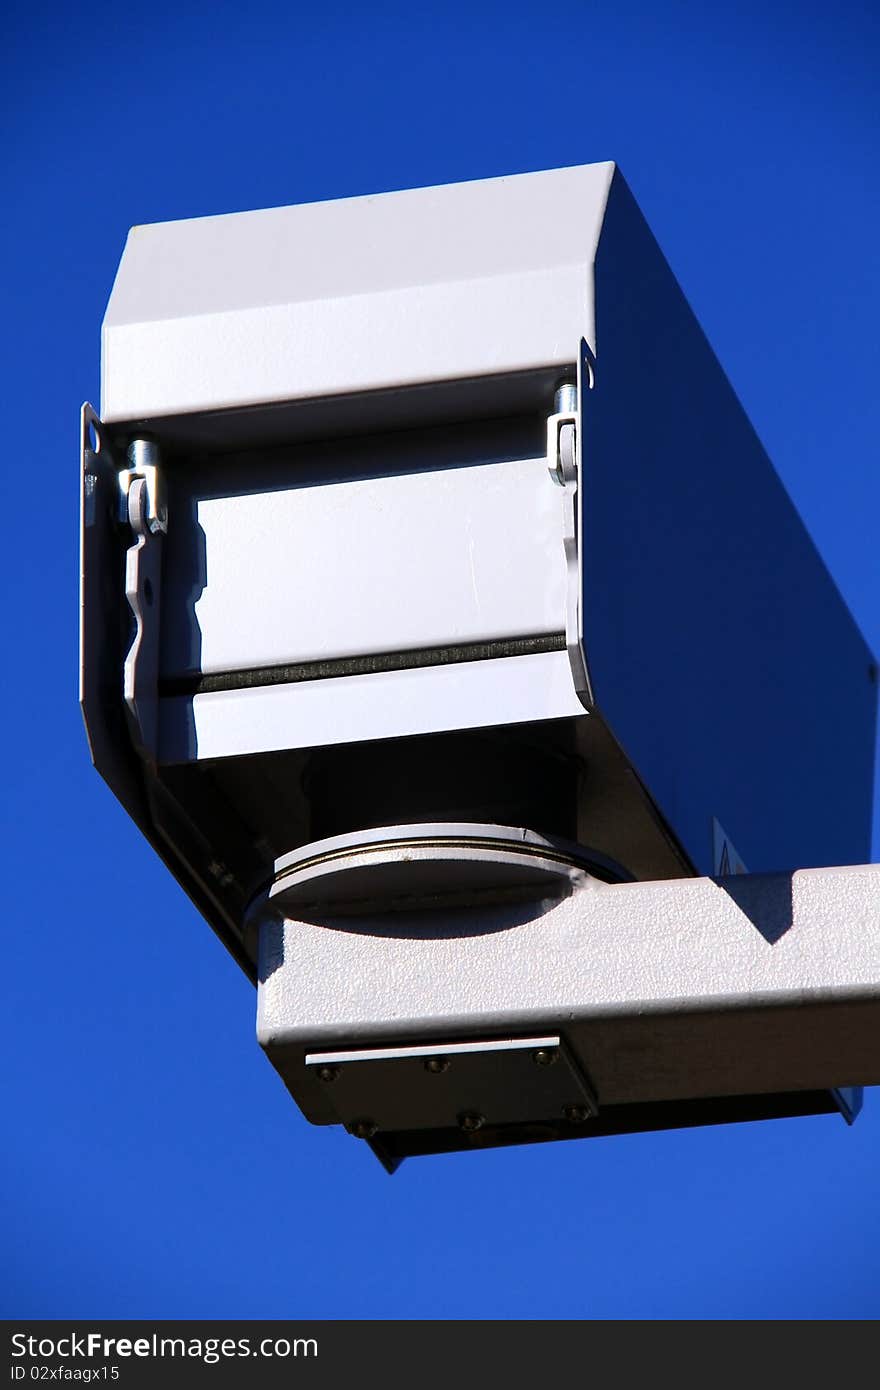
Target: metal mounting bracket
[
  {"x": 676, "y": 1002},
  {"x": 463, "y": 1086},
  {"x": 141, "y": 488},
  {"x": 565, "y": 435}
]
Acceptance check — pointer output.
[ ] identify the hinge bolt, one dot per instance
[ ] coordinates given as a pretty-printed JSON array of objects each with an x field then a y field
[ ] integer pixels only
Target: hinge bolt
[
  {"x": 576, "y": 1114},
  {"x": 363, "y": 1129},
  {"x": 471, "y": 1122},
  {"x": 144, "y": 460},
  {"x": 544, "y": 1057},
  {"x": 436, "y": 1065},
  {"x": 141, "y": 454}
]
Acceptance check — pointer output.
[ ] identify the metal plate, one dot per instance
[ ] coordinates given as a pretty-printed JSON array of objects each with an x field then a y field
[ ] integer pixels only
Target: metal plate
[
  {"x": 325, "y": 565},
  {"x": 463, "y": 1084}
]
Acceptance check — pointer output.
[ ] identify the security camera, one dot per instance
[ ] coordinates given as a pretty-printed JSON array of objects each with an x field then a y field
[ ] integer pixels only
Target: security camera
[{"x": 439, "y": 604}]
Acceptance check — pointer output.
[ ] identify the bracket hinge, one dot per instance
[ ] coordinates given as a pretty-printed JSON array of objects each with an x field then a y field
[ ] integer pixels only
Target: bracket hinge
[
  {"x": 564, "y": 461},
  {"x": 141, "y": 494},
  {"x": 562, "y": 433},
  {"x": 143, "y": 462}
]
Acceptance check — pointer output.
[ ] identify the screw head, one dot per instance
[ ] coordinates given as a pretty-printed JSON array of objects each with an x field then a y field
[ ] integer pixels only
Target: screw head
[
  {"x": 576, "y": 1114},
  {"x": 545, "y": 1056},
  {"x": 363, "y": 1129},
  {"x": 436, "y": 1065},
  {"x": 471, "y": 1122},
  {"x": 328, "y": 1073}
]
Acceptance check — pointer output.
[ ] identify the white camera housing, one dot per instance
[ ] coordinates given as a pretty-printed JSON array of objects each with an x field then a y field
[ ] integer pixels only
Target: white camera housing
[{"x": 431, "y": 565}]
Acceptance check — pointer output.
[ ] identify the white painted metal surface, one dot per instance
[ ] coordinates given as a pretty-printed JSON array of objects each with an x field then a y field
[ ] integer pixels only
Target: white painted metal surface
[
  {"x": 466, "y": 280},
  {"x": 606, "y": 947},
  {"x": 385, "y": 704},
  {"x": 433, "y": 558},
  {"x": 664, "y": 990}
]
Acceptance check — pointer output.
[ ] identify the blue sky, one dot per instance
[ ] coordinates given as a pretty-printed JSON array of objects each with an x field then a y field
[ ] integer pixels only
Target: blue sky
[{"x": 154, "y": 1164}]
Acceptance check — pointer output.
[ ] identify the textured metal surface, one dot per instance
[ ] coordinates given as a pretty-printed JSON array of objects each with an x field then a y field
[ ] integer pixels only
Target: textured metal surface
[
  {"x": 663, "y": 991},
  {"x": 414, "y": 658}
]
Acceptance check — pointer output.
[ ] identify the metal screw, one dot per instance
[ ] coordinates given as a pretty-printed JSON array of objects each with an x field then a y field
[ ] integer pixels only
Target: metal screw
[
  {"x": 576, "y": 1114},
  {"x": 142, "y": 453},
  {"x": 544, "y": 1057},
  {"x": 436, "y": 1065},
  {"x": 363, "y": 1129},
  {"x": 328, "y": 1073},
  {"x": 471, "y": 1122},
  {"x": 565, "y": 401}
]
